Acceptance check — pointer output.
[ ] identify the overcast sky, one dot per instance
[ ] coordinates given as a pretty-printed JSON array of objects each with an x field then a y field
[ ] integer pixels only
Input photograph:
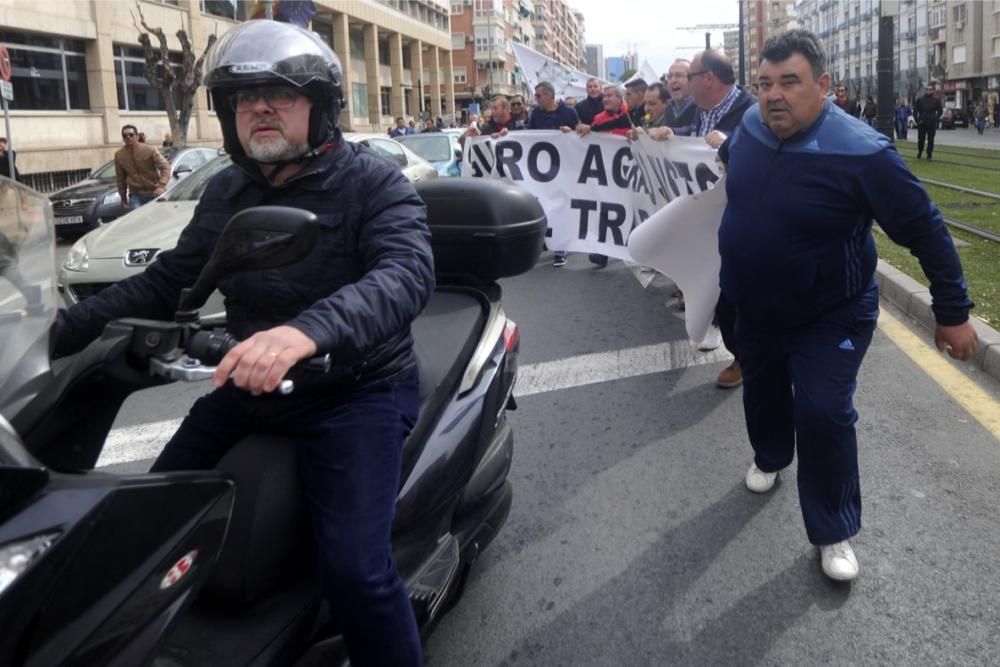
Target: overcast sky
[{"x": 651, "y": 26}]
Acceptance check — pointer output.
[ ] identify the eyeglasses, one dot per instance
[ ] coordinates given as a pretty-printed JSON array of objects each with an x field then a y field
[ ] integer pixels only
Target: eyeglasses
[
  {"x": 692, "y": 75},
  {"x": 126, "y": 135},
  {"x": 275, "y": 98}
]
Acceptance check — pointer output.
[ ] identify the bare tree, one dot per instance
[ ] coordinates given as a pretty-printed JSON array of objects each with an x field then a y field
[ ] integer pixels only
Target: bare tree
[{"x": 177, "y": 88}]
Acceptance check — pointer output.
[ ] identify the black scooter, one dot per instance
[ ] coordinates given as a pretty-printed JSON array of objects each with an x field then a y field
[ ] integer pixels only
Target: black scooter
[{"x": 215, "y": 567}]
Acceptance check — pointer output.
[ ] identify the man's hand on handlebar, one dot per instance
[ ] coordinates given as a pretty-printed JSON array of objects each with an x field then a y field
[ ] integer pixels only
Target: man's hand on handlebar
[{"x": 259, "y": 363}]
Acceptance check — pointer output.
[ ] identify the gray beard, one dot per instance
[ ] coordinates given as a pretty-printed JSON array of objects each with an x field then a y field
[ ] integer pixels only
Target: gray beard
[{"x": 278, "y": 150}]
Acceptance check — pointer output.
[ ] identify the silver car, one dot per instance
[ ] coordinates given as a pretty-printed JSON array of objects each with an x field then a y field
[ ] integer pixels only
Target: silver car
[{"x": 121, "y": 249}]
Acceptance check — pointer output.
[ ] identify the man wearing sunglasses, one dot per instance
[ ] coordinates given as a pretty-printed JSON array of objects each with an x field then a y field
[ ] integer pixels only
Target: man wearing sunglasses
[
  {"x": 518, "y": 112},
  {"x": 141, "y": 171}
]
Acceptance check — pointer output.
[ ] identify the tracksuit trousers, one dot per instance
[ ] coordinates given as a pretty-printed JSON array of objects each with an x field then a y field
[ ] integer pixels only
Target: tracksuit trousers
[
  {"x": 349, "y": 452},
  {"x": 798, "y": 391}
]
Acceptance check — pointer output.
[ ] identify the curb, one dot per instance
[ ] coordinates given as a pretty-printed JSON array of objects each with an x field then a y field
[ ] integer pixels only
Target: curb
[{"x": 915, "y": 301}]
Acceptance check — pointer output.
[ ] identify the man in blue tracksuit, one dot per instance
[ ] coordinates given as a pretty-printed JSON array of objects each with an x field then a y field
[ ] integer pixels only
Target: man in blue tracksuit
[{"x": 798, "y": 261}]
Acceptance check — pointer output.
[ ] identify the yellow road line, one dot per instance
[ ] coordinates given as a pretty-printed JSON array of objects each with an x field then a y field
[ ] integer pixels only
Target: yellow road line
[{"x": 978, "y": 403}]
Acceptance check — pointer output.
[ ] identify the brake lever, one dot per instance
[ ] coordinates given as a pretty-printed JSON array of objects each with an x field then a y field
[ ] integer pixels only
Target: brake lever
[{"x": 189, "y": 369}]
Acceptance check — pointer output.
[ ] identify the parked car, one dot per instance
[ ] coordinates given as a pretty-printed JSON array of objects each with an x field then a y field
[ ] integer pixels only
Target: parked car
[
  {"x": 95, "y": 200},
  {"x": 953, "y": 117},
  {"x": 441, "y": 149},
  {"x": 114, "y": 252},
  {"x": 415, "y": 167}
]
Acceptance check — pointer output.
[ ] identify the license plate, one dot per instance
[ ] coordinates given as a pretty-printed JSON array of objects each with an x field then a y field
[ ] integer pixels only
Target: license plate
[{"x": 69, "y": 220}]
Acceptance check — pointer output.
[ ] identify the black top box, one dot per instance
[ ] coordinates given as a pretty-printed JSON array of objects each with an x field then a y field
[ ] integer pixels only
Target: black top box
[{"x": 484, "y": 228}]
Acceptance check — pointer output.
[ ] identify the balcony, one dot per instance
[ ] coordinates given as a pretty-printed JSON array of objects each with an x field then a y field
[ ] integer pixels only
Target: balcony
[{"x": 910, "y": 35}]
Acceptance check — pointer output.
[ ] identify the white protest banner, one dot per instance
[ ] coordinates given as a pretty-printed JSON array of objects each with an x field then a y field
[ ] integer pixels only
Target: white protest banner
[
  {"x": 590, "y": 187},
  {"x": 597, "y": 189},
  {"x": 567, "y": 81}
]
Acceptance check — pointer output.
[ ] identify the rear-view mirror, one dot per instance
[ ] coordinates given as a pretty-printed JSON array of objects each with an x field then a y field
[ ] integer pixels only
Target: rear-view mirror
[
  {"x": 258, "y": 238},
  {"x": 182, "y": 170}
]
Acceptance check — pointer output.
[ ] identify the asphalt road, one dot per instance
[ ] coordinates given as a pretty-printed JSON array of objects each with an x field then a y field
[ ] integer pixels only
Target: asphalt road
[{"x": 632, "y": 540}]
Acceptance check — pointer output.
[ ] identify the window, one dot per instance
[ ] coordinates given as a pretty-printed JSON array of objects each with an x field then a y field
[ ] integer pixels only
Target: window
[
  {"x": 49, "y": 73},
  {"x": 228, "y": 9},
  {"x": 134, "y": 91},
  {"x": 457, "y": 8},
  {"x": 958, "y": 13},
  {"x": 958, "y": 55},
  {"x": 996, "y": 47},
  {"x": 357, "y": 42},
  {"x": 359, "y": 100},
  {"x": 459, "y": 75},
  {"x": 385, "y": 97},
  {"x": 457, "y": 41},
  {"x": 383, "y": 52}
]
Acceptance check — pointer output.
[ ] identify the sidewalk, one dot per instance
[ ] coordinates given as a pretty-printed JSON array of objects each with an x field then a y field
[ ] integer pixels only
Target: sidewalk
[
  {"x": 915, "y": 300},
  {"x": 961, "y": 137}
]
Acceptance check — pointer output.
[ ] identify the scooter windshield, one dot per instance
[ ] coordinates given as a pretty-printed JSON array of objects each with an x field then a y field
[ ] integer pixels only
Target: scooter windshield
[{"x": 28, "y": 297}]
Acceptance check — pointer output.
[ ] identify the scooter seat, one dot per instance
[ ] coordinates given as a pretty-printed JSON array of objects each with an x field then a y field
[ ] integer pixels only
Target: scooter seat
[{"x": 269, "y": 536}]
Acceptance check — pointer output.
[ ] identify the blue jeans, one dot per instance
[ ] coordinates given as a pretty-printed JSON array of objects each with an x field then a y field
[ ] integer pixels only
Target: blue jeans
[
  {"x": 137, "y": 199},
  {"x": 349, "y": 448},
  {"x": 798, "y": 395}
]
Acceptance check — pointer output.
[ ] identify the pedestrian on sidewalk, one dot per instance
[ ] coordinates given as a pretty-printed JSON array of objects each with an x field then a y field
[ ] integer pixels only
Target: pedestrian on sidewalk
[
  {"x": 142, "y": 173},
  {"x": 798, "y": 261},
  {"x": 901, "y": 116},
  {"x": 927, "y": 111},
  {"x": 980, "y": 115}
]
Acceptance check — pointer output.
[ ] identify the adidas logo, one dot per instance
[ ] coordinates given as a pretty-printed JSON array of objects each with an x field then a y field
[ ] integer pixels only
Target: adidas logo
[{"x": 847, "y": 345}]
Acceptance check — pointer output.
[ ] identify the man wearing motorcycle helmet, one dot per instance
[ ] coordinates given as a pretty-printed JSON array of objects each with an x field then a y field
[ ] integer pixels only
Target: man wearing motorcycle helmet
[{"x": 277, "y": 91}]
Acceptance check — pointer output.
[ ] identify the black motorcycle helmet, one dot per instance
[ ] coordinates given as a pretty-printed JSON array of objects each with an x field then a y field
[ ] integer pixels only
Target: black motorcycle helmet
[{"x": 269, "y": 53}]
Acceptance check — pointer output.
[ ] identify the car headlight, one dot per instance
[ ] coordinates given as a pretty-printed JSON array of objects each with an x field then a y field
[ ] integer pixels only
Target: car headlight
[
  {"x": 78, "y": 258},
  {"x": 111, "y": 199}
]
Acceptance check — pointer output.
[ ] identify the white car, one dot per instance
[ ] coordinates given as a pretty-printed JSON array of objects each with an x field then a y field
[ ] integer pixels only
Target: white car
[{"x": 128, "y": 245}]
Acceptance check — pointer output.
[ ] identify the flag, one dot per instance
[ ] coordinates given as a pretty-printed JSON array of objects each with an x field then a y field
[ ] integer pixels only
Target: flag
[{"x": 567, "y": 81}]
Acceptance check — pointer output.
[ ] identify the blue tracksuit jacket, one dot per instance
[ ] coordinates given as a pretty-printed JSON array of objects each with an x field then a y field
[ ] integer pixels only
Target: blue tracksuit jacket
[{"x": 796, "y": 235}]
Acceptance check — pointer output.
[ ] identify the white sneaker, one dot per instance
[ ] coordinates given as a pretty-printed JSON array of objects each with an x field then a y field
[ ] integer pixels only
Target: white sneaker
[
  {"x": 713, "y": 339},
  {"x": 839, "y": 561},
  {"x": 759, "y": 481}
]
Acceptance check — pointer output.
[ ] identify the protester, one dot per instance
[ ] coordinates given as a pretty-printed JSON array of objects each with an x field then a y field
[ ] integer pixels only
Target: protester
[
  {"x": 501, "y": 122},
  {"x": 518, "y": 112},
  {"x": 657, "y": 103},
  {"x": 927, "y": 111},
  {"x": 142, "y": 173},
  {"x": 613, "y": 120},
  {"x": 798, "y": 260},
  {"x": 570, "y": 101},
  {"x": 8, "y": 155},
  {"x": 552, "y": 114},
  {"x": 411, "y": 127},
  {"x": 721, "y": 105},
  {"x": 430, "y": 126},
  {"x": 635, "y": 97},
  {"x": 472, "y": 120},
  {"x": 168, "y": 140},
  {"x": 849, "y": 106},
  {"x": 592, "y": 104},
  {"x": 901, "y": 117},
  {"x": 439, "y": 123},
  {"x": 682, "y": 110}
]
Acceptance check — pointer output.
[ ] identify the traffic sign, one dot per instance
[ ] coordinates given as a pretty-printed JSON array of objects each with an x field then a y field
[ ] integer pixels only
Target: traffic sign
[
  {"x": 7, "y": 91},
  {"x": 6, "y": 69}
]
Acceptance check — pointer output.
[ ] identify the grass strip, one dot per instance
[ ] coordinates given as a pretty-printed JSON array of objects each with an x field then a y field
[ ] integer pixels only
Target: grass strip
[{"x": 980, "y": 261}]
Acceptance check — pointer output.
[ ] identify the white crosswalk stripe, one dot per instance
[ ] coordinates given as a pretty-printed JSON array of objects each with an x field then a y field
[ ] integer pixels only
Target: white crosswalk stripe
[{"x": 144, "y": 441}]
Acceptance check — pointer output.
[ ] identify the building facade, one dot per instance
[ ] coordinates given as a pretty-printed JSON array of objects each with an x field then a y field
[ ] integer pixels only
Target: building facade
[
  {"x": 617, "y": 66},
  {"x": 559, "y": 32},
  {"x": 763, "y": 19},
  {"x": 481, "y": 33},
  {"x": 78, "y": 70},
  {"x": 595, "y": 61},
  {"x": 953, "y": 43}
]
